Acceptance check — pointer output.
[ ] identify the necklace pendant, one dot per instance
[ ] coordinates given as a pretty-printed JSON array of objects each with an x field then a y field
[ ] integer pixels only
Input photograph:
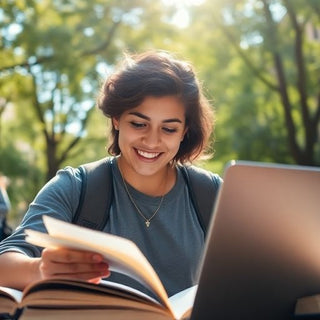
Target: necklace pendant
[{"x": 147, "y": 223}]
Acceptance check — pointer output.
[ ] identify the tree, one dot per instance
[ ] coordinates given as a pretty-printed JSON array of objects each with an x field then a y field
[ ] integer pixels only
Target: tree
[
  {"x": 270, "y": 37},
  {"x": 62, "y": 49}
]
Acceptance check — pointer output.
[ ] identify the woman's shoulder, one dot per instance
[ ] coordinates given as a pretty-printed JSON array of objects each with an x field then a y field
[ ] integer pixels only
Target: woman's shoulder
[
  {"x": 200, "y": 174},
  {"x": 65, "y": 178},
  {"x": 66, "y": 184}
]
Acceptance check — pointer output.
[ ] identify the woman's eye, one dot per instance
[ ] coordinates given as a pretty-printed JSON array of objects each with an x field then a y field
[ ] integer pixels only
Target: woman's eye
[
  {"x": 137, "y": 124},
  {"x": 169, "y": 130}
]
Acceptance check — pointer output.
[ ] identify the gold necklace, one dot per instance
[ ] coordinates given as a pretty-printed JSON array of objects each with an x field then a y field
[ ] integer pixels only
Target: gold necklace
[{"x": 146, "y": 220}]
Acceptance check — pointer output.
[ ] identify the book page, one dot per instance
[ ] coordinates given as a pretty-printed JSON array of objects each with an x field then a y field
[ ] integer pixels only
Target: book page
[
  {"x": 123, "y": 287},
  {"x": 76, "y": 294},
  {"x": 182, "y": 302},
  {"x": 57, "y": 291},
  {"x": 121, "y": 254},
  {"x": 96, "y": 314},
  {"x": 45, "y": 240},
  {"x": 13, "y": 294},
  {"x": 9, "y": 300}
]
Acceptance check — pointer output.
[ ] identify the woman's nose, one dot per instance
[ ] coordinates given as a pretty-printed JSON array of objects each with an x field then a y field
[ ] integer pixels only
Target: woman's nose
[{"x": 152, "y": 138}]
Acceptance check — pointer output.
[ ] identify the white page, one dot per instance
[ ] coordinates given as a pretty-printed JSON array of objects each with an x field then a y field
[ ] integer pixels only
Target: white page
[
  {"x": 45, "y": 240},
  {"x": 136, "y": 292},
  {"x": 183, "y": 301},
  {"x": 122, "y": 254},
  {"x": 15, "y": 294}
]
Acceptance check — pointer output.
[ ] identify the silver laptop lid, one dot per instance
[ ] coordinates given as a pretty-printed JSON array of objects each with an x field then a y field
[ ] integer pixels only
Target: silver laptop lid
[{"x": 263, "y": 246}]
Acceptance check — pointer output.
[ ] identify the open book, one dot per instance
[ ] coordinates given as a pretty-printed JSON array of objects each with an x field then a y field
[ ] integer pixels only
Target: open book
[{"x": 72, "y": 299}]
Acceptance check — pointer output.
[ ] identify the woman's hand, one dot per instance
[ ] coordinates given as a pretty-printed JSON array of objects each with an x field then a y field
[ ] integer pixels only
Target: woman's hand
[{"x": 75, "y": 264}]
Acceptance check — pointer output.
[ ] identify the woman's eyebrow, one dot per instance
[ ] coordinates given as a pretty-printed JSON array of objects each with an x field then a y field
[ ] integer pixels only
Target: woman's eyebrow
[
  {"x": 140, "y": 115},
  {"x": 172, "y": 120}
]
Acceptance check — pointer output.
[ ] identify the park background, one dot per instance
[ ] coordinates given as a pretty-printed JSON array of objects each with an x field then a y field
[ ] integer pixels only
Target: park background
[{"x": 258, "y": 61}]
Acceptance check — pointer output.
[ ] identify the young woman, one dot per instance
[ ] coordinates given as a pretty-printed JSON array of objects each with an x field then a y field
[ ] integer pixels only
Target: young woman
[{"x": 160, "y": 119}]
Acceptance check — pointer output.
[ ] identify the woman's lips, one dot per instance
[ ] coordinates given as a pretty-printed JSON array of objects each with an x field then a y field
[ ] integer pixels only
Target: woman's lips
[{"x": 148, "y": 155}]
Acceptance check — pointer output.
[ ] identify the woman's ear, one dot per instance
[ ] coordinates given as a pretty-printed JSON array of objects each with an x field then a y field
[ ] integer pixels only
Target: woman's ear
[{"x": 115, "y": 123}]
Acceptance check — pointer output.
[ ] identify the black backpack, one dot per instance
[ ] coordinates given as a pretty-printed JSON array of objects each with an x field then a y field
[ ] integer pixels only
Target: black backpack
[{"x": 97, "y": 193}]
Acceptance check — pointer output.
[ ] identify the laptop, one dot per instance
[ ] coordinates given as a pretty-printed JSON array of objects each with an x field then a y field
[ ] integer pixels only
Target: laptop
[{"x": 263, "y": 246}]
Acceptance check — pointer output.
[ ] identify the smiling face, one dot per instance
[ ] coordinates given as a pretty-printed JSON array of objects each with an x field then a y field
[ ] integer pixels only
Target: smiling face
[{"x": 150, "y": 136}]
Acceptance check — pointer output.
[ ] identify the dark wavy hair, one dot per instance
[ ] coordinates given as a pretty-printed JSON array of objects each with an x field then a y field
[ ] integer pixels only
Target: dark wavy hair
[{"x": 158, "y": 74}]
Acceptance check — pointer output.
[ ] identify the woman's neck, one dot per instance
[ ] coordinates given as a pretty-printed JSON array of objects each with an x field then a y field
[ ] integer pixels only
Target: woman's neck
[{"x": 154, "y": 185}]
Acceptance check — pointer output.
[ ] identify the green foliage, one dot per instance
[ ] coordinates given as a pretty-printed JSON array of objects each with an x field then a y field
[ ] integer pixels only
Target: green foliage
[
  {"x": 263, "y": 68},
  {"x": 54, "y": 54}
]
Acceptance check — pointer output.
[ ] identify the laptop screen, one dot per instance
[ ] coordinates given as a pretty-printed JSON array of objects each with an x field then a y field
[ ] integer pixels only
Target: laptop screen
[{"x": 263, "y": 246}]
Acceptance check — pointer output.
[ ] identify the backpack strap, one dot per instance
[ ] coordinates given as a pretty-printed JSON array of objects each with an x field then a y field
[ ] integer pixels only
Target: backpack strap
[
  {"x": 203, "y": 187},
  {"x": 96, "y": 194}
]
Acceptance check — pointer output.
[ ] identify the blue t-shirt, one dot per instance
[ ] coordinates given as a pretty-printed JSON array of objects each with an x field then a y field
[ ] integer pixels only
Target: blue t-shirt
[{"x": 173, "y": 243}]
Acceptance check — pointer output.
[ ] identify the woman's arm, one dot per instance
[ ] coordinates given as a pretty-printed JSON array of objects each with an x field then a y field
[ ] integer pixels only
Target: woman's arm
[
  {"x": 18, "y": 270},
  {"x": 22, "y": 263}
]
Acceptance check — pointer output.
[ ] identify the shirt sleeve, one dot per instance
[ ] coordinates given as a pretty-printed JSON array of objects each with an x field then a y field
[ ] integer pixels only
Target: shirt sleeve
[{"x": 58, "y": 198}]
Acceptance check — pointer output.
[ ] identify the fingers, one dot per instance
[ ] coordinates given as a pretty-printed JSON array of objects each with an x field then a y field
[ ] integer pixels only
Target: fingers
[
  {"x": 90, "y": 277},
  {"x": 95, "y": 280},
  {"x": 81, "y": 270},
  {"x": 64, "y": 255},
  {"x": 68, "y": 263}
]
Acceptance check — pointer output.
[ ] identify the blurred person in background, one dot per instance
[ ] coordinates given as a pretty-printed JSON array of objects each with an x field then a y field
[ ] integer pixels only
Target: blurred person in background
[{"x": 5, "y": 207}]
